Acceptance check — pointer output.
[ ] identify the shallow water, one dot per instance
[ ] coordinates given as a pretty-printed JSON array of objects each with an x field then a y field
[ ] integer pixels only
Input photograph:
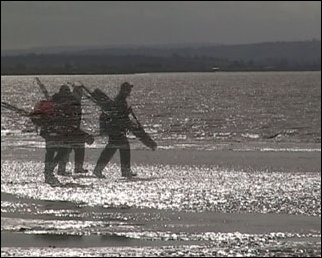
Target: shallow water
[
  {"x": 190, "y": 189},
  {"x": 200, "y": 211},
  {"x": 191, "y": 204},
  {"x": 194, "y": 108}
]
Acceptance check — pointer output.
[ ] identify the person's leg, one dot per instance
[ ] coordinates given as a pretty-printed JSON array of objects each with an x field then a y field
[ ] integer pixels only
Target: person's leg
[
  {"x": 125, "y": 158},
  {"x": 104, "y": 158},
  {"x": 79, "y": 149},
  {"x": 63, "y": 162},
  {"x": 49, "y": 163},
  {"x": 61, "y": 153}
]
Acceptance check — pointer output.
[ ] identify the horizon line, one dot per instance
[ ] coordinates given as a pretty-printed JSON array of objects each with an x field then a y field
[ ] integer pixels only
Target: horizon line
[{"x": 138, "y": 45}]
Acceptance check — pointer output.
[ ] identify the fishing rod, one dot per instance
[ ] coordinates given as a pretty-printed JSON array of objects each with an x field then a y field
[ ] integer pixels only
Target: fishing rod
[
  {"x": 98, "y": 97},
  {"x": 88, "y": 94},
  {"x": 20, "y": 111},
  {"x": 43, "y": 88},
  {"x": 106, "y": 99},
  {"x": 107, "y": 105},
  {"x": 134, "y": 116}
]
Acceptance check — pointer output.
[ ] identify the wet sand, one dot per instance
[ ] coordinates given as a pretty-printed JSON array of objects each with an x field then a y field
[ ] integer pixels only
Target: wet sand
[
  {"x": 173, "y": 234},
  {"x": 227, "y": 233},
  {"x": 231, "y": 158}
]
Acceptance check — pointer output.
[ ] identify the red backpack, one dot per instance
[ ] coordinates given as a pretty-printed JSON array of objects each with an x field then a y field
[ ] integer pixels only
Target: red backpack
[{"x": 43, "y": 113}]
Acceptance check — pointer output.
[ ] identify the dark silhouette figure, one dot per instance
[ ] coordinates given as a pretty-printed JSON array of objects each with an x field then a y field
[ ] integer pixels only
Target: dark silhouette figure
[
  {"x": 62, "y": 132},
  {"x": 59, "y": 119},
  {"x": 77, "y": 145},
  {"x": 117, "y": 124},
  {"x": 54, "y": 133}
]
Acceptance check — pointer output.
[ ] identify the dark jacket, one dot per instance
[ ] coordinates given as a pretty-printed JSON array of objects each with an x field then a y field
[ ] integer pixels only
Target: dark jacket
[{"x": 116, "y": 122}]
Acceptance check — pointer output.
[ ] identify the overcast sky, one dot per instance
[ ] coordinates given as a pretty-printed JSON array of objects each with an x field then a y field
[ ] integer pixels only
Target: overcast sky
[{"x": 27, "y": 24}]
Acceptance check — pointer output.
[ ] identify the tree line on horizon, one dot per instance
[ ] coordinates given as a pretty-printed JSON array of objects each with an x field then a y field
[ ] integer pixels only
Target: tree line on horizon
[{"x": 278, "y": 56}]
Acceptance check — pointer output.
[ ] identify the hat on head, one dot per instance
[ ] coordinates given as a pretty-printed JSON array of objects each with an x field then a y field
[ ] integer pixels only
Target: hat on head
[
  {"x": 64, "y": 89},
  {"x": 126, "y": 85},
  {"x": 78, "y": 89}
]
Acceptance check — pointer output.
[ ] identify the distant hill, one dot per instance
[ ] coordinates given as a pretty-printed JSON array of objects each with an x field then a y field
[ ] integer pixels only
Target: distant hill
[{"x": 301, "y": 55}]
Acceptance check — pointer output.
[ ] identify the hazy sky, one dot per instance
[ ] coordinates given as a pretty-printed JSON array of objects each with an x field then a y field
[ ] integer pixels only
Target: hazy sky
[{"x": 27, "y": 24}]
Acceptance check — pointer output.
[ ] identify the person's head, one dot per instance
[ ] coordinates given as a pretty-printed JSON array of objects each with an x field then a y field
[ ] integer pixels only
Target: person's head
[
  {"x": 126, "y": 89},
  {"x": 78, "y": 91},
  {"x": 64, "y": 89}
]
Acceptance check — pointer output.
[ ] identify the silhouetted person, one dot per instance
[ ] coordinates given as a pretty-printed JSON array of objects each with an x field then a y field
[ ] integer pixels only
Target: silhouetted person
[
  {"x": 117, "y": 125},
  {"x": 54, "y": 132},
  {"x": 62, "y": 133},
  {"x": 78, "y": 145}
]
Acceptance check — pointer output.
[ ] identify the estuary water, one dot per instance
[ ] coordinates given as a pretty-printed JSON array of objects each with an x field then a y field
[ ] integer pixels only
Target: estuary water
[
  {"x": 237, "y": 171},
  {"x": 198, "y": 110}
]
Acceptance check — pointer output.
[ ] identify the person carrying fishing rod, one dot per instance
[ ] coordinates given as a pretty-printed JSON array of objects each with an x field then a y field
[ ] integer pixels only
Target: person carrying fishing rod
[
  {"x": 115, "y": 122},
  {"x": 76, "y": 139}
]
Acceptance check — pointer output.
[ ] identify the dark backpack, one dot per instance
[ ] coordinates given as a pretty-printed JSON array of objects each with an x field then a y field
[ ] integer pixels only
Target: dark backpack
[
  {"x": 43, "y": 113},
  {"x": 105, "y": 124},
  {"x": 102, "y": 100}
]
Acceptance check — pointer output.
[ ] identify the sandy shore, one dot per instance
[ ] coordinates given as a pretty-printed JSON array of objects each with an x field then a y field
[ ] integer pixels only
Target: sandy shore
[
  {"x": 247, "y": 160},
  {"x": 174, "y": 233},
  {"x": 163, "y": 233}
]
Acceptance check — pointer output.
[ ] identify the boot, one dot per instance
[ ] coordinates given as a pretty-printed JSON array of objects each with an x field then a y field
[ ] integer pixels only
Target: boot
[
  {"x": 52, "y": 181},
  {"x": 128, "y": 173},
  {"x": 62, "y": 169},
  {"x": 98, "y": 171},
  {"x": 80, "y": 170}
]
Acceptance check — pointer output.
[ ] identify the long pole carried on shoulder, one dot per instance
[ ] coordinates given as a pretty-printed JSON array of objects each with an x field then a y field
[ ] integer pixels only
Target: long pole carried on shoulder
[
  {"x": 19, "y": 111},
  {"x": 88, "y": 93},
  {"x": 137, "y": 131},
  {"x": 134, "y": 116},
  {"x": 43, "y": 88}
]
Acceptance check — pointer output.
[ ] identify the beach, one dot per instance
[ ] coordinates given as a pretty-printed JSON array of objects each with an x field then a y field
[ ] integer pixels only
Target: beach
[
  {"x": 270, "y": 157},
  {"x": 237, "y": 171},
  {"x": 227, "y": 202}
]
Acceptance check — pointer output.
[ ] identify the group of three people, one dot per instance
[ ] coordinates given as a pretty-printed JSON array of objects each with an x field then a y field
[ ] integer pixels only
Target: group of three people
[{"x": 62, "y": 133}]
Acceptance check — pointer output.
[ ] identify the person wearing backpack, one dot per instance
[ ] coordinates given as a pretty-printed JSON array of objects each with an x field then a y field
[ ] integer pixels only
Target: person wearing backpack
[
  {"x": 59, "y": 120},
  {"x": 52, "y": 122},
  {"x": 76, "y": 144},
  {"x": 116, "y": 125}
]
